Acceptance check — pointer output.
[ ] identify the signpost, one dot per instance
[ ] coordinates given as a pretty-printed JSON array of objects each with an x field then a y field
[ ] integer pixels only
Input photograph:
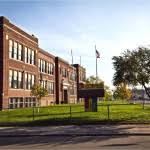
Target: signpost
[{"x": 90, "y": 97}]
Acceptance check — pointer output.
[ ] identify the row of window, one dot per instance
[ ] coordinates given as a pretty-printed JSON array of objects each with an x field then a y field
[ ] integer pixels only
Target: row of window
[
  {"x": 29, "y": 80},
  {"x": 49, "y": 86},
  {"x": 16, "y": 80},
  {"x": 46, "y": 67},
  {"x": 72, "y": 76},
  {"x": 82, "y": 76},
  {"x": 16, "y": 52},
  {"x": 19, "y": 102},
  {"x": 29, "y": 56},
  {"x": 65, "y": 73}
]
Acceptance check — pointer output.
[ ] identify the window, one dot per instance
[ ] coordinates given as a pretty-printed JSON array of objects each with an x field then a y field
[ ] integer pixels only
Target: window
[
  {"x": 20, "y": 79},
  {"x": 29, "y": 80},
  {"x": 72, "y": 76},
  {"x": 43, "y": 83},
  {"x": 11, "y": 49},
  {"x": 33, "y": 58},
  {"x": 15, "y": 50},
  {"x": 39, "y": 64},
  {"x": 45, "y": 67},
  {"x": 10, "y": 78},
  {"x": 50, "y": 68},
  {"x": 16, "y": 102},
  {"x": 25, "y": 54},
  {"x": 19, "y": 52},
  {"x": 29, "y": 102},
  {"x": 64, "y": 72},
  {"x": 50, "y": 87},
  {"x": 29, "y": 56},
  {"x": 72, "y": 90},
  {"x": 19, "y": 102},
  {"x": 15, "y": 79}
]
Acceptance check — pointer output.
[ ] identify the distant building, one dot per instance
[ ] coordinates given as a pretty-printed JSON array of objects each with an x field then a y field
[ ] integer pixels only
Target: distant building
[
  {"x": 23, "y": 64},
  {"x": 139, "y": 94}
]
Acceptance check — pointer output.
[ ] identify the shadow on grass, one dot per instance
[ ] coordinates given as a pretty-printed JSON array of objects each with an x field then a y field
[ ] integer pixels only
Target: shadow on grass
[{"x": 70, "y": 121}]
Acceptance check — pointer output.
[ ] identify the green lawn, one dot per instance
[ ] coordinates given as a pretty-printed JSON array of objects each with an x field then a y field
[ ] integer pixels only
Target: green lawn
[{"x": 119, "y": 111}]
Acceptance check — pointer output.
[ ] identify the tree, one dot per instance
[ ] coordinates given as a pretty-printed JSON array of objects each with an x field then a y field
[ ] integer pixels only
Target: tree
[
  {"x": 94, "y": 82},
  {"x": 38, "y": 91},
  {"x": 108, "y": 93},
  {"x": 133, "y": 68},
  {"x": 122, "y": 92}
]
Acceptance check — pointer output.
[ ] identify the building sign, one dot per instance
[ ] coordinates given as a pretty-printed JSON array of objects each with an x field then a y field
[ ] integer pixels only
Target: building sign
[{"x": 90, "y": 97}]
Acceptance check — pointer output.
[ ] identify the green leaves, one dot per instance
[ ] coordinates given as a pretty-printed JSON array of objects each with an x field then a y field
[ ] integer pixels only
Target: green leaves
[
  {"x": 133, "y": 68},
  {"x": 38, "y": 91}
]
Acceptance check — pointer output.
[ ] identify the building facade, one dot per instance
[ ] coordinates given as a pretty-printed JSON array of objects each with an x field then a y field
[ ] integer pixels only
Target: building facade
[
  {"x": 23, "y": 64},
  {"x": 46, "y": 76},
  {"x": 66, "y": 85},
  {"x": 81, "y": 77}
]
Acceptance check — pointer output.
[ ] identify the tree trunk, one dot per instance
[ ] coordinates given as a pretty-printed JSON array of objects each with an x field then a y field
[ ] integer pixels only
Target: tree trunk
[
  {"x": 39, "y": 105},
  {"x": 147, "y": 90}
]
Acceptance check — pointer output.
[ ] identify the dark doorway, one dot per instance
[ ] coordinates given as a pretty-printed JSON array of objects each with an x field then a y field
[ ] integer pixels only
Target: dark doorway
[{"x": 65, "y": 96}]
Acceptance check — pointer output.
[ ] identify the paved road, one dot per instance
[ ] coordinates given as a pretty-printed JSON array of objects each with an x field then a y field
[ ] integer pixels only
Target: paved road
[
  {"x": 76, "y": 142},
  {"x": 104, "y": 137}
]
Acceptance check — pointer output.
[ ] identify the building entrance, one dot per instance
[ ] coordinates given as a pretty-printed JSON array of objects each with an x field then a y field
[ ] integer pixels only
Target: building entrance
[{"x": 65, "y": 96}]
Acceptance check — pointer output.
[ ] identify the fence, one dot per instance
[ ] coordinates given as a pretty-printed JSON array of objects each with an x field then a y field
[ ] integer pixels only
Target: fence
[{"x": 76, "y": 114}]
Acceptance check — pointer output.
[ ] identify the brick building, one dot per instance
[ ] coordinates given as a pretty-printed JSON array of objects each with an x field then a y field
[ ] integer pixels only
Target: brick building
[
  {"x": 46, "y": 75},
  {"x": 81, "y": 76},
  {"x": 23, "y": 64},
  {"x": 66, "y": 85}
]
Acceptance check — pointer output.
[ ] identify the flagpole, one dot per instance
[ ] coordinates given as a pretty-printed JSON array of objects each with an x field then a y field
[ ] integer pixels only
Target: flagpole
[
  {"x": 72, "y": 56},
  {"x": 96, "y": 63},
  {"x": 80, "y": 60}
]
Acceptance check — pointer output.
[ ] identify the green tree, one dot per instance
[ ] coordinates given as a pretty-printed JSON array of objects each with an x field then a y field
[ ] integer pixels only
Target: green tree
[
  {"x": 99, "y": 83},
  {"x": 133, "y": 68},
  {"x": 38, "y": 92},
  {"x": 122, "y": 92},
  {"x": 94, "y": 82},
  {"x": 108, "y": 93}
]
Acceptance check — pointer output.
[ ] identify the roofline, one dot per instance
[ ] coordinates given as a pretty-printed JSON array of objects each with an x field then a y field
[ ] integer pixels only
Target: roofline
[
  {"x": 6, "y": 23},
  {"x": 62, "y": 60},
  {"x": 46, "y": 53},
  {"x": 77, "y": 65}
]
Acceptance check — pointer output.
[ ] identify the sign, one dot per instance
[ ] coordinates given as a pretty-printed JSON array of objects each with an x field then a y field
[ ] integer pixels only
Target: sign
[{"x": 93, "y": 92}]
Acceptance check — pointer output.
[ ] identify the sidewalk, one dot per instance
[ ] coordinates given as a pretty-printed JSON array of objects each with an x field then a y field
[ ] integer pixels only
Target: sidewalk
[{"x": 73, "y": 130}]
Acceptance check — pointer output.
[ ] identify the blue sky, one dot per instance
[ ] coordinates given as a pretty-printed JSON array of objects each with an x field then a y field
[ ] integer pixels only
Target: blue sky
[{"x": 62, "y": 25}]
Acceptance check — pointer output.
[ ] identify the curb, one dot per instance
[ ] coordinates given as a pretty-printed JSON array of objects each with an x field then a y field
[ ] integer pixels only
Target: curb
[{"x": 82, "y": 134}]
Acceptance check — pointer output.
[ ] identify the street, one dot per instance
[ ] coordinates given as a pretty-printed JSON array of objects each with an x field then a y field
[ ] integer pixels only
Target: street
[{"x": 76, "y": 142}]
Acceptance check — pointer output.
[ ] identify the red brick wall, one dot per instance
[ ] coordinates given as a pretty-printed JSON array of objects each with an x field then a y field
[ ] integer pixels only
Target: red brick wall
[{"x": 25, "y": 40}]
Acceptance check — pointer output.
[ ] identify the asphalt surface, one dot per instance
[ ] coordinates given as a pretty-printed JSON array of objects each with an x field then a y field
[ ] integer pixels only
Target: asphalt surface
[{"x": 104, "y": 137}]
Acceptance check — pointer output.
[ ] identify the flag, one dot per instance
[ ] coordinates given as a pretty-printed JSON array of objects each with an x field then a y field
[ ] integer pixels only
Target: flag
[{"x": 97, "y": 54}]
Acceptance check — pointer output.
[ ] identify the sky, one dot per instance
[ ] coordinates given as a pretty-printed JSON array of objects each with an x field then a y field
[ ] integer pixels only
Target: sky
[{"x": 61, "y": 25}]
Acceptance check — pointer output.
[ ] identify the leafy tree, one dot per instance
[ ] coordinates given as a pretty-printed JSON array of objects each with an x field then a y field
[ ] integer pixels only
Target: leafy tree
[
  {"x": 94, "y": 82},
  {"x": 98, "y": 83},
  {"x": 133, "y": 68},
  {"x": 122, "y": 92},
  {"x": 38, "y": 91},
  {"x": 108, "y": 93}
]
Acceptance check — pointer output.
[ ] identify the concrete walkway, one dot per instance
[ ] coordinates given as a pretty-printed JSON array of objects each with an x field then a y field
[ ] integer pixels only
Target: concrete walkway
[{"x": 74, "y": 130}]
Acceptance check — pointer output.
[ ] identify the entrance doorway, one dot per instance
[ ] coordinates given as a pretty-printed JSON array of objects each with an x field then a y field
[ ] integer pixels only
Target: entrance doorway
[{"x": 65, "y": 96}]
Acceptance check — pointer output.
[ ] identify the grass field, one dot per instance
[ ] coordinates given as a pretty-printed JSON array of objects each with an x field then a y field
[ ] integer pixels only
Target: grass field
[{"x": 118, "y": 111}]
